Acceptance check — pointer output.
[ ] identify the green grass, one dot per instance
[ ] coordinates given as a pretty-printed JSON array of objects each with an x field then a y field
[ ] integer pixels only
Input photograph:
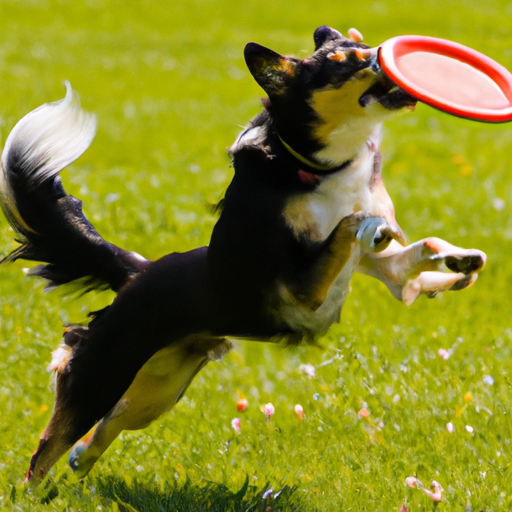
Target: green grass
[{"x": 170, "y": 89}]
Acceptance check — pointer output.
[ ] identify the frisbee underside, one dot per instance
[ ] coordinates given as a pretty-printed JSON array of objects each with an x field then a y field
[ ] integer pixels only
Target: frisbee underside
[{"x": 449, "y": 76}]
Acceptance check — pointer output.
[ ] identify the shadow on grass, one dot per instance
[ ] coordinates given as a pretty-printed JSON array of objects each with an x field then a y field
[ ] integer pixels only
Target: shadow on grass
[{"x": 211, "y": 497}]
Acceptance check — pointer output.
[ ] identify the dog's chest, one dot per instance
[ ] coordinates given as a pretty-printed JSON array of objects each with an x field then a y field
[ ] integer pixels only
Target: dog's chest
[{"x": 314, "y": 214}]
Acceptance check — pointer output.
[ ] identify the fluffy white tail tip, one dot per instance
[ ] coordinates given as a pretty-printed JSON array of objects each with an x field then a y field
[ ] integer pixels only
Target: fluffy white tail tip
[{"x": 50, "y": 137}]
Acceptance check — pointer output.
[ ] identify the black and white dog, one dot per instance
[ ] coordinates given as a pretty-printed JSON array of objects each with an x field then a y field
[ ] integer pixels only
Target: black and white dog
[{"x": 306, "y": 208}]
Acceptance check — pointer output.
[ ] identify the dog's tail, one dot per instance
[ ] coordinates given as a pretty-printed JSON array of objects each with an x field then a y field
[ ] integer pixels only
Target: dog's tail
[{"x": 50, "y": 224}]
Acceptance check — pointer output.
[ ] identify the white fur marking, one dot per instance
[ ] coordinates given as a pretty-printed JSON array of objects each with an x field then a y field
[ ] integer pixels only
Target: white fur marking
[
  {"x": 248, "y": 138},
  {"x": 138, "y": 257},
  {"x": 347, "y": 138},
  {"x": 51, "y": 137},
  {"x": 60, "y": 359}
]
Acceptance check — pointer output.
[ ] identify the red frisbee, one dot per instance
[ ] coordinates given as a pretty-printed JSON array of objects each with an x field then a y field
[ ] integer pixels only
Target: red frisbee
[{"x": 449, "y": 76}]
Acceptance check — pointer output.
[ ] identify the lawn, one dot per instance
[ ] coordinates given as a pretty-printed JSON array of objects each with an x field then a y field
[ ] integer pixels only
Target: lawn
[{"x": 169, "y": 86}]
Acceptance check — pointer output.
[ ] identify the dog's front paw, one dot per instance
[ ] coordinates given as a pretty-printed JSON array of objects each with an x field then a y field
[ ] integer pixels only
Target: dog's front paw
[
  {"x": 375, "y": 234},
  {"x": 431, "y": 283},
  {"x": 463, "y": 266},
  {"x": 426, "y": 267},
  {"x": 455, "y": 259}
]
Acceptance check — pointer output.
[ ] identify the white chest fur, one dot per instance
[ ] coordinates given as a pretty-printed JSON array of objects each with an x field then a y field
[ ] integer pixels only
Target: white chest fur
[{"x": 314, "y": 214}]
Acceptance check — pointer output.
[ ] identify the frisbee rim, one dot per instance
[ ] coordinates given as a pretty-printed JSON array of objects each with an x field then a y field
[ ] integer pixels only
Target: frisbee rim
[{"x": 398, "y": 46}]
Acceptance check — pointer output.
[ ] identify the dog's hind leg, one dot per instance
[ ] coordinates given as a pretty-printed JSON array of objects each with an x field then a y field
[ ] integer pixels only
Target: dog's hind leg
[
  {"x": 56, "y": 439},
  {"x": 91, "y": 447},
  {"x": 71, "y": 418},
  {"x": 61, "y": 431},
  {"x": 157, "y": 387}
]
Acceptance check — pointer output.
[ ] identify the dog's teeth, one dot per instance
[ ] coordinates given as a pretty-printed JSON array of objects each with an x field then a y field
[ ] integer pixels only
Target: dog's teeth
[{"x": 355, "y": 35}]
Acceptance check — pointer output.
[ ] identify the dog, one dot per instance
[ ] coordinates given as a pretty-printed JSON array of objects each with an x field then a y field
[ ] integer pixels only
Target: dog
[{"x": 306, "y": 208}]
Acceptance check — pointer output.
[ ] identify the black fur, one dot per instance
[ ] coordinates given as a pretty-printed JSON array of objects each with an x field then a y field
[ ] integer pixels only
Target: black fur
[
  {"x": 224, "y": 290},
  {"x": 60, "y": 234},
  {"x": 289, "y": 92},
  {"x": 231, "y": 289}
]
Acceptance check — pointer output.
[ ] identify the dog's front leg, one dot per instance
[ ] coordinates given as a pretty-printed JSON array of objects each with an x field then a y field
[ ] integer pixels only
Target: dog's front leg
[
  {"x": 353, "y": 233},
  {"x": 423, "y": 268}
]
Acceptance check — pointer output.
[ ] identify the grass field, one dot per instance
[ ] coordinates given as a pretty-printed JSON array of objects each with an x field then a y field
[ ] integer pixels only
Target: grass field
[{"x": 169, "y": 86}]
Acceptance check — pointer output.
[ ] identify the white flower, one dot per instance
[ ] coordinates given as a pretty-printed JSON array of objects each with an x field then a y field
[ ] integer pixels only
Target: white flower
[
  {"x": 308, "y": 369},
  {"x": 488, "y": 379},
  {"x": 267, "y": 494},
  {"x": 498, "y": 204}
]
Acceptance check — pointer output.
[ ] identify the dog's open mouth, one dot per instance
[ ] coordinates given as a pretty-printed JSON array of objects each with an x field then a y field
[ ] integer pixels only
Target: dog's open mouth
[{"x": 388, "y": 94}]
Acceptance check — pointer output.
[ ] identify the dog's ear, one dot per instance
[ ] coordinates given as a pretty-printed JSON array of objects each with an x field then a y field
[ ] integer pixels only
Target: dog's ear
[
  {"x": 323, "y": 34},
  {"x": 271, "y": 70}
]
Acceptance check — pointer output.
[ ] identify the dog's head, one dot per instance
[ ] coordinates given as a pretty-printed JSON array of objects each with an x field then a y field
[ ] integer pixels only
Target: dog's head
[{"x": 329, "y": 104}]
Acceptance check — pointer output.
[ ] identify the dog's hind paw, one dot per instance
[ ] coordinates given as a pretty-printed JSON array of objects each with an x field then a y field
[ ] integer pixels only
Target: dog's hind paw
[{"x": 79, "y": 464}]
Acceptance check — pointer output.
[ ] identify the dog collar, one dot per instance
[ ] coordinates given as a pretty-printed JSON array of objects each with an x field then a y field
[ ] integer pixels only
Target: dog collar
[{"x": 324, "y": 169}]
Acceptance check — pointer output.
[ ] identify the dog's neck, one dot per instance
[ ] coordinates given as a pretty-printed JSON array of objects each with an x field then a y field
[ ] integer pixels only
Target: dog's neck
[
  {"x": 341, "y": 146},
  {"x": 311, "y": 165},
  {"x": 345, "y": 142}
]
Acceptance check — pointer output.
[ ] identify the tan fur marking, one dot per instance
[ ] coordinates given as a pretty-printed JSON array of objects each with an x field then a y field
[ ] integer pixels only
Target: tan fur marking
[
  {"x": 337, "y": 56},
  {"x": 288, "y": 66},
  {"x": 312, "y": 289},
  {"x": 336, "y": 106},
  {"x": 304, "y": 222}
]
